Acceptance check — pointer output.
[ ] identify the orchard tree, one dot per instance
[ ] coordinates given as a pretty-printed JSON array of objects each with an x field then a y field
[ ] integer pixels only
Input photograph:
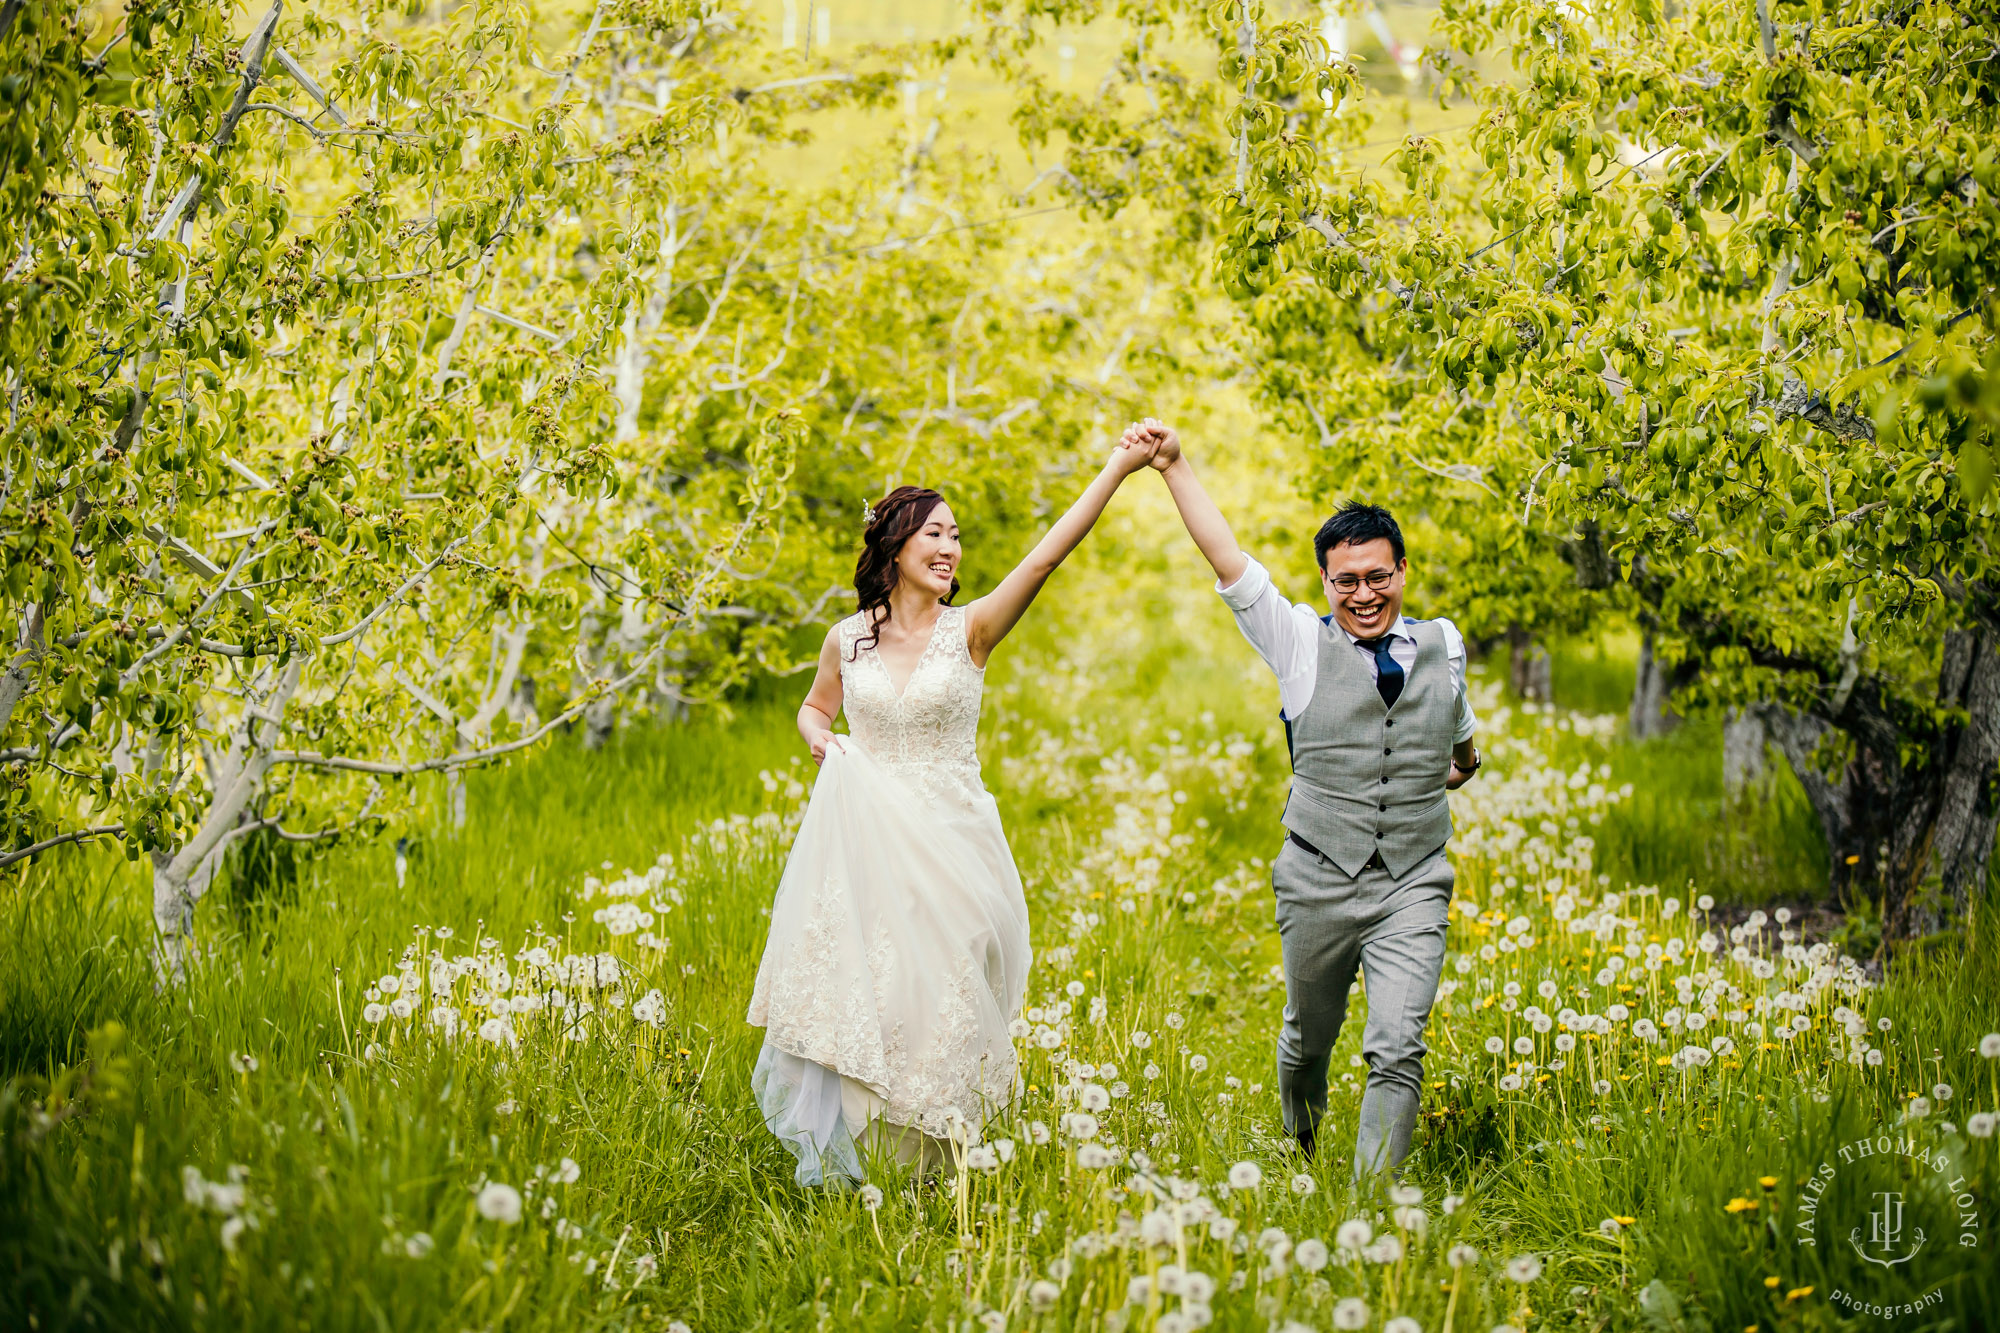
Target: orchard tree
[
  {"x": 350, "y": 354},
  {"x": 1704, "y": 294}
]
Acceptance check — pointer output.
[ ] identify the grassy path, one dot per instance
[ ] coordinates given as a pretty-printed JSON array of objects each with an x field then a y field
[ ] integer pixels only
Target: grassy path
[{"x": 273, "y": 1146}]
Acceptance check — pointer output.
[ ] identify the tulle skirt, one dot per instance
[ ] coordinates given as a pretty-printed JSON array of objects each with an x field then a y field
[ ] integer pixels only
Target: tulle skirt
[{"x": 898, "y": 955}]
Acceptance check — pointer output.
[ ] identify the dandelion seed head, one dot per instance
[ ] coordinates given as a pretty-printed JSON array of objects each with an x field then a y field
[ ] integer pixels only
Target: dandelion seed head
[{"x": 500, "y": 1203}]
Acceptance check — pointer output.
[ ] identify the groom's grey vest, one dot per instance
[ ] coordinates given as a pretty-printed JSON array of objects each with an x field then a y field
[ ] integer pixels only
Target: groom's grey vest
[{"x": 1367, "y": 779}]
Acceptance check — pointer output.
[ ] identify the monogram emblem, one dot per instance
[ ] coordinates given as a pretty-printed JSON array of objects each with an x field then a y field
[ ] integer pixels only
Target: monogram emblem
[{"x": 1885, "y": 1233}]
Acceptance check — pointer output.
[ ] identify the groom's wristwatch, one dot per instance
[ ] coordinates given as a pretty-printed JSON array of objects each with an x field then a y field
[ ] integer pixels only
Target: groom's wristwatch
[{"x": 1477, "y": 760}]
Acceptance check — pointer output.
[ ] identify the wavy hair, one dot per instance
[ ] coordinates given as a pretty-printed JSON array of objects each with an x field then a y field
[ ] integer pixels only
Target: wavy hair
[{"x": 899, "y": 517}]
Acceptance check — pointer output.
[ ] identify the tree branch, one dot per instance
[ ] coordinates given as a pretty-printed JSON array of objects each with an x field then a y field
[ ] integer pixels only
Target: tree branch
[
  {"x": 252, "y": 54},
  {"x": 307, "y": 82},
  {"x": 361, "y": 626},
  {"x": 582, "y": 48},
  {"x": 79, "y": 835}
]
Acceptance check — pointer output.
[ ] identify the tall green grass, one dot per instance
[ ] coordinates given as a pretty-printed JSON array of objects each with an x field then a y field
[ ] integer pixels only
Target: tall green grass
[{"x": 113, "y": 1088}]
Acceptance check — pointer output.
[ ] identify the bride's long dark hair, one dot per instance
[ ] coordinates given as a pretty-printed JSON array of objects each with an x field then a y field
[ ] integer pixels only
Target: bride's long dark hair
[{"x": 899, "y": 517}]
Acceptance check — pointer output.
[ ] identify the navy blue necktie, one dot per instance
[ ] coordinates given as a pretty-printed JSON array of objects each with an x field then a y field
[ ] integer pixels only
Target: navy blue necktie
[{"x": 1388, "y": 671}]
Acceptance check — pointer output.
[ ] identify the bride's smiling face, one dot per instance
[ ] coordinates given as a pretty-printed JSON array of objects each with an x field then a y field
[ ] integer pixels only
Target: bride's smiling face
[{"x": 929, "y": 558}]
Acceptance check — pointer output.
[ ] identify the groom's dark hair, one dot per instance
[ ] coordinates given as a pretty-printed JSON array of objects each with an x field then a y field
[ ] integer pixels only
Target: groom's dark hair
[{"x": 1353, "y": 523}]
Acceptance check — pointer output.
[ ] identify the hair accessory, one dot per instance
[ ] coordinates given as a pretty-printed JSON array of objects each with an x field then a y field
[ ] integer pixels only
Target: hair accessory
[{"x": 867, "y": 513}]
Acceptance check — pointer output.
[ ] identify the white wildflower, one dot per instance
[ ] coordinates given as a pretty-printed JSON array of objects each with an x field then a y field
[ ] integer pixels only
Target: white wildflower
[{"x": 500, "y": 1203}]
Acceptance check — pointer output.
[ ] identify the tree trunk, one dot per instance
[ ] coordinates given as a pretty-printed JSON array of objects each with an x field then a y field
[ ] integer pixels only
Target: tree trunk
[
  {"x": 1916, "y": 834},
  {"x": 599, "y": 721},
  {"x": 1744, "y": 771},
  {"x": 20, "y": 672},
  {"x": 1939, "y": 852},
  {"x": 1652, "y": 712},
  {"x": 181, "y": 877},
  {"x": 521, "y": 705},
  {"x": 1527, "y": 665}
]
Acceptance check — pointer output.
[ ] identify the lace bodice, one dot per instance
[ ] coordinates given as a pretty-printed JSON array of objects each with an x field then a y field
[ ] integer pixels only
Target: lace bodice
[{"x": 930, "y": 730}]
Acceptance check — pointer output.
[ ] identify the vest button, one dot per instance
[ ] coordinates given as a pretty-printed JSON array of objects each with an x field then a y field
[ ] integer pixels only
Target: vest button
[
  {"x": 1388, "y": 721},
  {"x": 1378, "y": 835},
  {"x": 1382, "y": 809},
  {"x": 1387, "y": 750},
  {"x": 1385, "y": 782}
]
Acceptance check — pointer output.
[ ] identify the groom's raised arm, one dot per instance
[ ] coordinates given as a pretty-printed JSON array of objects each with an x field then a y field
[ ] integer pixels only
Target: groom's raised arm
[
  {"x": 1204, "y": 522},
  {"x": 1285, "y": 635}
]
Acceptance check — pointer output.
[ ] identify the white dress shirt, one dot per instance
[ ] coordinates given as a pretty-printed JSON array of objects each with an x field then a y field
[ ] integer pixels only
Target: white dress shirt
[{"x": 1287, "y": 636}]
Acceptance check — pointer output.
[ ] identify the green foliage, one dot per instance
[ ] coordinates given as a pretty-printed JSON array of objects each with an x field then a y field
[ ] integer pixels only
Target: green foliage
[
  {"x": 1695, "y": 320},
  {"x": 370, "y": 371}
]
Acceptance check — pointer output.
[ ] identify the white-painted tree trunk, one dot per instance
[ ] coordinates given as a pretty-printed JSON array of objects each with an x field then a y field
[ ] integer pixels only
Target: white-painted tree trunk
[
  {"x": 1745, "y": 773},
  {"x": 236, "y": 775},
  {"x": 1652, "y": 711}
]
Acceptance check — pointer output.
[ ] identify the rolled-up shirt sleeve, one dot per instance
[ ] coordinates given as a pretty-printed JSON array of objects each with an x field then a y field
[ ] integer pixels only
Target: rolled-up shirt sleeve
[{"x": 1284, "y": 633}]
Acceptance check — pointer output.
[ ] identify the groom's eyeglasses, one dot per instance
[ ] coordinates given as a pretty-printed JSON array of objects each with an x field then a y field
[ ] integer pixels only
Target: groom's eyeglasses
[{"x": 1376, "y": 579}]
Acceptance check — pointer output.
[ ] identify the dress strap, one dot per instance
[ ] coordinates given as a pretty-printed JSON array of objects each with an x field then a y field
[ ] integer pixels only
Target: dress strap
[
  {"x": 849, "y": 631},
  {"x": 951, "y": 621}
]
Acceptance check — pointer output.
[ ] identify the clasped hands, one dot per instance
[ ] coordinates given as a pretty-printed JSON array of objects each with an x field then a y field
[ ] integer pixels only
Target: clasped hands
[{"x": 1149, "y": 443}]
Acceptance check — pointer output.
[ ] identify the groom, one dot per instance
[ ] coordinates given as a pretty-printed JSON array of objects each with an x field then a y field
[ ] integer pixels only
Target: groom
[{"x": 1379, "y": 729}]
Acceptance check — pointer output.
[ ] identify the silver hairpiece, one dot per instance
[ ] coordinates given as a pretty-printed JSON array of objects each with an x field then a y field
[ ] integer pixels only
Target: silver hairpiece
[{"x": 867, "y": 513}]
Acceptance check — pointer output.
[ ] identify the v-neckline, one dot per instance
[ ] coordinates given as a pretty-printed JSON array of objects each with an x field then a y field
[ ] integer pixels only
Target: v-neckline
[{"x": 923, "y": 655}]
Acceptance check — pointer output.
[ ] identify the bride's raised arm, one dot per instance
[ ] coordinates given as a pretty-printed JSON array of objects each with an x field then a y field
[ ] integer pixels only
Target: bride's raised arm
[{"x": 988, "y": 619}]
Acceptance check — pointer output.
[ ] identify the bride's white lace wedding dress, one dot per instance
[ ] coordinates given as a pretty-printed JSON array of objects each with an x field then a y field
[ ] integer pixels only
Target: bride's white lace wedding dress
[{"x": 898, "y": 951}]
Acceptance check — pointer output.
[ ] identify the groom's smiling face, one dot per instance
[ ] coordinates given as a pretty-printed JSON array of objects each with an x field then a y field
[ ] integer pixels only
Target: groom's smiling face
[{"x": 1353, "y": 569}]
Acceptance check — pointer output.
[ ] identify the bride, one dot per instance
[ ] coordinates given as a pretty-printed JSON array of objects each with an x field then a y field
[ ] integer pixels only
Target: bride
[{"x": 898, "y": 951}]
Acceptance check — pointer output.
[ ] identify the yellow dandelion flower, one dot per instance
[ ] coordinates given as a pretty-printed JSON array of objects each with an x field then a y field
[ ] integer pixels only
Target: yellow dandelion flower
[
  {"x": 1797, "y": 1292},
  {"x": 1740, "y": 1205},
  {"x": 1768, "y": 1182},
  {"x": 1773, "y": 1280}
]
